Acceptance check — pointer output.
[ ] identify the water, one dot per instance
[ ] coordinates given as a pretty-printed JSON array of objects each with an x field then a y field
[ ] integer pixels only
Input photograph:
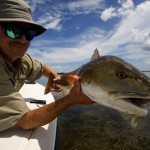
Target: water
[
  {"x": 96, "y": 127},
  {"x": 100, "y": 128}
]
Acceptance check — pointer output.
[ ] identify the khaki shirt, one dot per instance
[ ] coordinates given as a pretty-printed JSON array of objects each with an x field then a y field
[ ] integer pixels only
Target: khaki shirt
[{"x": 12, "y": 77}]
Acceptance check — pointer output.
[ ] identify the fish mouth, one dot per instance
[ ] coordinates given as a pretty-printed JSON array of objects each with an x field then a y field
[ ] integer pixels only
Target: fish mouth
[{"x": 137, "y": 99}]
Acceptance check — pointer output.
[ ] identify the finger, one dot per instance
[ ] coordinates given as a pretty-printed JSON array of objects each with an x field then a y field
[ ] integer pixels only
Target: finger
[
  {"x": 75, "y": 77},
  {"x": 76, "y": 80},
  {"x": 61, "y": 81},
  {"x": 49, "y": 83}
]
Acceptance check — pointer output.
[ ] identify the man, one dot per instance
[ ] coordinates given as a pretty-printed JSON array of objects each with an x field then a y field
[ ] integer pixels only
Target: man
[{"x": 17, "y": 29}]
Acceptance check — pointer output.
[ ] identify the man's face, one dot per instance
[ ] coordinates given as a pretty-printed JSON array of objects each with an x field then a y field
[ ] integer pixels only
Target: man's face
[{"x": 14, "y": 48}]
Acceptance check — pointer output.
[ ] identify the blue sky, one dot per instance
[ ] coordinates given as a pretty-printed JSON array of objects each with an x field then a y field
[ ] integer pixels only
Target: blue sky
[{"x": 77, "y": 27}]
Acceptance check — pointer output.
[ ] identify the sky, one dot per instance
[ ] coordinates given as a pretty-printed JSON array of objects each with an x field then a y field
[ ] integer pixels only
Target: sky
[{"x": 77, "y": 27}]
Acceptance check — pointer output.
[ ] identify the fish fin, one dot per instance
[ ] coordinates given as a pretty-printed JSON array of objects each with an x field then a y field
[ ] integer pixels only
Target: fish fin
[{"x": 95, "y": 55}]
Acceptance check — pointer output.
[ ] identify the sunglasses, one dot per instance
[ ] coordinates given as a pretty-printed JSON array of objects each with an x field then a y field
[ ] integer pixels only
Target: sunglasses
[{"x": 14, "y": 32}]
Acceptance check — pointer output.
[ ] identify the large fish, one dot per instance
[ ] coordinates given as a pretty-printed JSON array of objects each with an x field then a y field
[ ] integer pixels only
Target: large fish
[{"x": 112, "y": 82}]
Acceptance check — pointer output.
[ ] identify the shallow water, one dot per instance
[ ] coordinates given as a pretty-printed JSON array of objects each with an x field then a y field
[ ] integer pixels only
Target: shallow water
[{"x": 100, "y": 128}]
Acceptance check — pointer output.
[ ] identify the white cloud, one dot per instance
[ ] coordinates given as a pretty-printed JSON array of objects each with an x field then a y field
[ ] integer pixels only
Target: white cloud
[
  {"x": 126, "y": 4},
  {"x": 147, "y": 45},
  {"x": 84, "y": 5},
  {"x": 55, "y": 24},
  {"x": 34, "y": 3},
  {"x": 51, "y": 21},
  {"x": 126, "y": 8},
  {"x": 108, "y": 14},
  {"x": 53, "y": 15},
  {"x": 134, "y": 27},
  {"x": 128, "y": 39}
]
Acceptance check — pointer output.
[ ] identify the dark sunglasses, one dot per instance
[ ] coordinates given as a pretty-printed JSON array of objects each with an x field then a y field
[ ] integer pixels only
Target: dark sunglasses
[{"x": 14, "y": 32}]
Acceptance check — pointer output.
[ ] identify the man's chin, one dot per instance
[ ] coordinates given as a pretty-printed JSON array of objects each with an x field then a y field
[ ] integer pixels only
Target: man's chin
[{"x": 20, "y": 54}]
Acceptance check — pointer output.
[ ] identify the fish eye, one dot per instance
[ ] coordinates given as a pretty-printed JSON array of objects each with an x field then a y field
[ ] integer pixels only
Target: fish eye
[{"x": 122, "y": 75}]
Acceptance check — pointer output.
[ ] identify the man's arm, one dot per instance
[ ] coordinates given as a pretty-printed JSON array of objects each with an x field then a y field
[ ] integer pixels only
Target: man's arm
[
  {"x": 47, "y": 71},
  {"x": 41, "y": 116}
]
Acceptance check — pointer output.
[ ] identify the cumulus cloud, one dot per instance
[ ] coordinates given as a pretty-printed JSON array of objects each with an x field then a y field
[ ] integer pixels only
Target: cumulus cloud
[
  {"x": 129, "y": 39},
  {"x": 134, "y": 27},
  {"x": 108, "y": 14},
  {"x": 127, "y": 4},
  {"x": 126, "y": 8}
]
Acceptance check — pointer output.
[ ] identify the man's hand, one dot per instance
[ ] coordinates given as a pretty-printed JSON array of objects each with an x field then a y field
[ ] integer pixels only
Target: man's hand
[
  {"x": 52, "y": 76},
  {"x": 51, "y": 84},
  {"x": 76, "y": 96}
]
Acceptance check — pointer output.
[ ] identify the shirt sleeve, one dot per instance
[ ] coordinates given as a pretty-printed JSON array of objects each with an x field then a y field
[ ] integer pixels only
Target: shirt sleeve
[
  {"x": 12, "y": 105},
  {"x": 31, "y": 68}
]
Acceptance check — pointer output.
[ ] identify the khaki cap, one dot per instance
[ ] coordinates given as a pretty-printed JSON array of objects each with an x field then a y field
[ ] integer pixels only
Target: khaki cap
[{"x": 18, "y": 11}]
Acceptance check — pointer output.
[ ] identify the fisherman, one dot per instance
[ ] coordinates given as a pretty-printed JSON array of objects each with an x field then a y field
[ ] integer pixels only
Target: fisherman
[{"x": 17, "y": 30}]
